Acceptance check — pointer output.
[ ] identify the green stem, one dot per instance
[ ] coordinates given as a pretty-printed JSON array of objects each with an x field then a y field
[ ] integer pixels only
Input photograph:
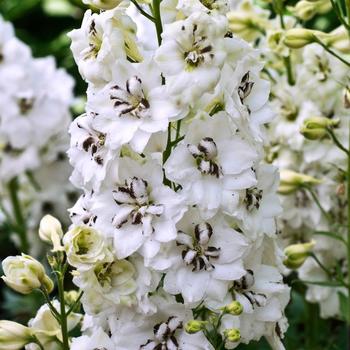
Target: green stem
[
  {"x": 333, "y": 53},
  {"x": 37, "y": 342},
  {"x": 287, "y": 60},
  {"x": 142, "y": 11},
  {"x": 64, "y": 328},
  {"x": 288, "y": 65},
  {"x": 338, "y": 10},
  {"x": 336, "y": 141},
  {"x": 332, "y": 235},
  {"x": 53, "y": 310},
  {"x": 75, "y": 304},
  {"x": 314, "y": 197},
  {"x": 327, "y": 271},
  {"x": 348, "y": 234},
  {"x": 20, "y": 221},
  {"x": 158, "y": 20}
]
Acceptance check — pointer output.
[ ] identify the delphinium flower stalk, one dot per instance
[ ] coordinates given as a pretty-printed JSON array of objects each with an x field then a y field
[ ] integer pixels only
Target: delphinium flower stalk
[{"x": 174, "y": 238}]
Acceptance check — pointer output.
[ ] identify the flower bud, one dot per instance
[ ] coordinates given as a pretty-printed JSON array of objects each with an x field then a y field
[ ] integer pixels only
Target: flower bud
[
  {"x": 292, "y": 181},
  {"x": 297, "y": 38},
  {"x": 296, "y": 254},
  {"x": 275, "y": 40},
  {"x": 50, "y": 230},
  {"x": 234, "y": 308},
  {"x": 246, "y": 23},
  {"x": 71, "y": 297},
  {"x": 316, "y": 127},
  {"x": 103, "y": 4},
  {"x": 14, "y": 336},
  {"x": 232, "y": 335},
  {"x": 306, "y": 9},
  {"x": 24, "y": 274},
  {"x": 195, "y": 326},
  {"x": 85, "y": 247}
]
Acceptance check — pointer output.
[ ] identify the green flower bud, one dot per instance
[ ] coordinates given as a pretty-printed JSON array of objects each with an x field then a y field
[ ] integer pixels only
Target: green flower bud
[
  {"x": 24, "y": 274},
  {"x": 291, "y": 181},
  {"x": 306, "y": 9},
  {"x": 232, "y": 335},
  {"x": 103, "y": 4},
  {"x": 296, "y": 254},
  {"x": 297, "y": 38},
  {"x": 315, "y": 128},
  {"x": 195, "y": 326},
  {"x": 14, "y": 336},
  {"x": 234, "y": 308},
  {"x": 246, "y": 23}
]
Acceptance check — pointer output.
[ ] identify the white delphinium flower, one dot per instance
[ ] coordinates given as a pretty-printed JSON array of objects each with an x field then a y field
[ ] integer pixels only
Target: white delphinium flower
[
  {"x": 97, "y": 339},
  {"x": 180, "y": 203},
  {"x": 88, "y": 154},
  {"x": 138, "y": 211},
  {"x": 133, "y": 106},
  {"x": 192, "y": 54},
  {"x": 209, "y": 255},
  {"x": 102, "y": 40},
  {"x": 165, "y": 329},
  {"x": 205, "y": 166}
]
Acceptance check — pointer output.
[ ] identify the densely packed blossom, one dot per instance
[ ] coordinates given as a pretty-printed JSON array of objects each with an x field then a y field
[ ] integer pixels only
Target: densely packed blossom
[
  {"x": 34, "y": 117},
  {"x": 311, "y": 106},
  {"x": 174, "y": 238}
]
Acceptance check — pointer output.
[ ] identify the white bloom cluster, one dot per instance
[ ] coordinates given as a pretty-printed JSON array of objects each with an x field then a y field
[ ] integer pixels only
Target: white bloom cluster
[
  {"x": 302, "y": 217},
  {"x": 309, "y": 107},
  {"x": 177, "y": 219},
  {"x": 34, "y": 119}
]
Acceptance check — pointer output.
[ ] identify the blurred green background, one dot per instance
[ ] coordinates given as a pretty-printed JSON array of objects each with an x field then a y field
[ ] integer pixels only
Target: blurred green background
[{"x": 43, "y": 25}]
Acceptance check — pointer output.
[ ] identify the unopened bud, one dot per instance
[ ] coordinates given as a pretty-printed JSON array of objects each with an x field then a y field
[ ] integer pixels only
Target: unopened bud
[
  {"x": 306, "y": 9},
  {"x": 195, "y": 326},
  {"x": 103, "y": 4},
  {"x": 297, "y": 38},
  {"x": 316, "y": 127},
  {"x": 296, "y": 254},
  {"x": 292, "y": 181},
  {"x": 71, "y": 297},
  {"x": 232, "y": 335},
  {"x": 234, "y": 308},
  {"x": 50, "y": 230},
  {"x": 14, "y": 336},
  {"x": 246, "y": 23},
  {"x": 24, "y": 274}
]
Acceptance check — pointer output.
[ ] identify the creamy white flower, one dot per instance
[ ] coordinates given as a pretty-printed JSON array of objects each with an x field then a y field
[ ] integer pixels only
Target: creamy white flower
[
  {"x": 85, "y": 247},
  {"x": 47, "y": 329}
]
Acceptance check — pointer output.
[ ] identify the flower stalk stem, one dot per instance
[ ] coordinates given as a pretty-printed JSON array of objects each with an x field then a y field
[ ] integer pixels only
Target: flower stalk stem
[
  {"x": 17, "y": 210},
  {"x": 348, "y": 238},
  {"x": 63, "y": 314}
]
